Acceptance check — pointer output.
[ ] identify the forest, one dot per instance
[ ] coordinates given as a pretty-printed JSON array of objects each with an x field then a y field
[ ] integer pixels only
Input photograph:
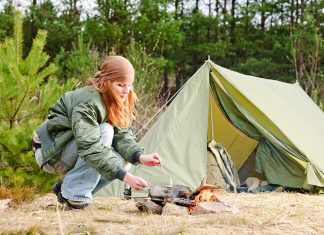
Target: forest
[{"x": 53, "y": 46}]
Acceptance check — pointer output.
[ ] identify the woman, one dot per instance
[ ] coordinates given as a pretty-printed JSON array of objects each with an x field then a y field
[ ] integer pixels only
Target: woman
[{"x": 86, "y": 135}]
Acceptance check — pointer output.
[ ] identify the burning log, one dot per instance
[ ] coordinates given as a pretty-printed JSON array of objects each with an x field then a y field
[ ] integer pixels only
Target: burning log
[
  {"x": 205, "y": 193},
  {"x": 183, "y": 196}
]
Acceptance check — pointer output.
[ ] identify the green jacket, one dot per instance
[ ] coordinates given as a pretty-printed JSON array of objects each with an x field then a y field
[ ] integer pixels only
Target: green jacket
[{"x": 78, "y": 114}]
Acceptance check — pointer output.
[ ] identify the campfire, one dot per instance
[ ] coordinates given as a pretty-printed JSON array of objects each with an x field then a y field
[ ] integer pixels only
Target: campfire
[
  {"x": 206, "y": 193},
  {"x": 180, "y": 196}
]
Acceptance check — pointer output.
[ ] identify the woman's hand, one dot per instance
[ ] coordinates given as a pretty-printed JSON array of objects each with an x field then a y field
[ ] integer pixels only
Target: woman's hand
[
  {"x": 152, "y": 159},
  {"x": 135, "y": 182}
]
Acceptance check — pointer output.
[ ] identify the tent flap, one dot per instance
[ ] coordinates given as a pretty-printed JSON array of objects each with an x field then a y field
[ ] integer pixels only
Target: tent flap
[{"x": 278, "y": 168}]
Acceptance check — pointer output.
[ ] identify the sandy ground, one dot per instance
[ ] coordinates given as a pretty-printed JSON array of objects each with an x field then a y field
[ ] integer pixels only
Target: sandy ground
[{"x": 266, "y": 213}]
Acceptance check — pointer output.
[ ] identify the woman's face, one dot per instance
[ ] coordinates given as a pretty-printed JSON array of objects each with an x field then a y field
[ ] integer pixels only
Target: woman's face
[{"x": 122, "y": 89}]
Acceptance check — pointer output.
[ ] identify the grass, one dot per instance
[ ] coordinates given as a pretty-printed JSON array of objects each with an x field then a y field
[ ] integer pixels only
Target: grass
[
  {"x": 267, "y": 213},
  {"x": 33, "y": 230}
]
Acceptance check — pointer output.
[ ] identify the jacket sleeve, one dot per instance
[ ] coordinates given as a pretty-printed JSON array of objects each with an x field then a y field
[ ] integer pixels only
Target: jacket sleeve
[
  {"x": 86, "y": 131},
  {"x": 125, "y": 144}
]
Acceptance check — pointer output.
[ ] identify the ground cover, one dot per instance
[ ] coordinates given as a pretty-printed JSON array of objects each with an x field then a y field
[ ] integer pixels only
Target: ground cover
[{"x": 266, "y": 213}]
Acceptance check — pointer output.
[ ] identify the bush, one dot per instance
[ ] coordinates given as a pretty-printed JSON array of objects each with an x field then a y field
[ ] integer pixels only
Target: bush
[{"x": 19, "y": 172}]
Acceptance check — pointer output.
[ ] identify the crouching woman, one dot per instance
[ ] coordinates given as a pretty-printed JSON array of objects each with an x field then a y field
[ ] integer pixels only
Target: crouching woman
[{"x": 87, "y": 137}]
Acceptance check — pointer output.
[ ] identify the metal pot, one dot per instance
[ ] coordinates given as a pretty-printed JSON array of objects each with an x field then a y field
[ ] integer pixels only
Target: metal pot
[{"x": 159, "y": 193}]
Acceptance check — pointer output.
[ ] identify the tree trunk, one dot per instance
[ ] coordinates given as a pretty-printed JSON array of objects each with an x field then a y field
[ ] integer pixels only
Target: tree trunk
[
  {"x": 182, "y": 9},
  {"x": 316, "y": 13},
  {"x": 195, "y": 37},
  {"x": 247, "y": 18},
  {"x": 297, "y": 13},
  {"x": 178, "y": 79},
  {"x": 246, "y": 28},
  {"x": 209, "y": 18},
  {"x": 32, "y": 24},
  {"x": 302, "y": 12},
  {"x": 224, "y": 7},
  {"x": 224, "y": 16},
  {"x": 292, "y": 12},
  {"x": 263, "y": 18},
  {"x": 165, "y": 86},
  {"x": 217, "y": 6},
  {"x": 75, "y": 9},
  {"x": 177, "y": 9},
  {"x": 262, "y": 24},
  {"x": 233, "y": 22}
]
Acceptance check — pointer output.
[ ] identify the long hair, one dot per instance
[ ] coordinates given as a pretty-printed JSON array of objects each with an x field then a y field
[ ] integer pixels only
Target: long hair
[{"x": 119, "y": 113}]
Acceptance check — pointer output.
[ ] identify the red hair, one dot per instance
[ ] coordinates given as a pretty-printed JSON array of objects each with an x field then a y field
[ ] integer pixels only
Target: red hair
[
  {"x": 115, "y": 69},
  {"x": 119, "y": 113}
]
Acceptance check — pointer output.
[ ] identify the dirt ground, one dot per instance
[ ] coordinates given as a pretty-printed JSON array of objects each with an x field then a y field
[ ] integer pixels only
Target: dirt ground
[{"x": 266, "y": 213}]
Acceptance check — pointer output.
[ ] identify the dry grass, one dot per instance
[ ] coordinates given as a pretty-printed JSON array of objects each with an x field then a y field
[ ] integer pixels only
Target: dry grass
[
  {"x": 268, "y": 213},
  {"x": 17, "y": 195}
]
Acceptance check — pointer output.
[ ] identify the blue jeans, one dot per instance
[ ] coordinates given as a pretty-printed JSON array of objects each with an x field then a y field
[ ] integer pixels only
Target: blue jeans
[{"x": 80, "y": 180}]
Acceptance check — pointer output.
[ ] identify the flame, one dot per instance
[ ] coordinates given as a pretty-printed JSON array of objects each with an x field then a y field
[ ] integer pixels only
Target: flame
[{"x": 207, "y": 193}]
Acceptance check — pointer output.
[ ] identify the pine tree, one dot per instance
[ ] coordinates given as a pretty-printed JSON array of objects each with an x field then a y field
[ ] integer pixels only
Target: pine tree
[
  {"x": 21, "y": 79},
  {"x": 27, "y": 89}
]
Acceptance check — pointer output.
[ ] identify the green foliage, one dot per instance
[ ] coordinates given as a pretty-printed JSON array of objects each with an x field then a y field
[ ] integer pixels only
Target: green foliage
[
  {"x": 306, "y": 53},
  {"x": 81, "y": 63},
  {"x": 61, "y": 27},
  {"x": 6, "y": 19},
  {"x": 262, "y": 68},
  {"x": 183, "y": 33},
  {"x": 18, "y": 168},
  {"x": 147, "y": 81},
  {"x": 148, "y": 70},
  {"x": 48, "y": 93}
]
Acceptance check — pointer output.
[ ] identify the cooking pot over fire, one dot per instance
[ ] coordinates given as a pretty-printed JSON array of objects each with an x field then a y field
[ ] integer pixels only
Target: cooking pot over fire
[{"x": 158, "y": 193}]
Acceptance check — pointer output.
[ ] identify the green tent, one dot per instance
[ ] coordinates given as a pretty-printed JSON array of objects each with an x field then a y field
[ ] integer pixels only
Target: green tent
[{"x": 273, "y": 124}]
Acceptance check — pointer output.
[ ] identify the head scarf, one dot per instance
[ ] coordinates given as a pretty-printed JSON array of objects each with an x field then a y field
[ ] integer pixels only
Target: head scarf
[{"x": 116, "y": 68}]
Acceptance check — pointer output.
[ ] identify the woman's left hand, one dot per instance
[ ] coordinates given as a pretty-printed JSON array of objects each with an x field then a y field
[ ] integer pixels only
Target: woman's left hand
[{"x": 152, "y": 159}]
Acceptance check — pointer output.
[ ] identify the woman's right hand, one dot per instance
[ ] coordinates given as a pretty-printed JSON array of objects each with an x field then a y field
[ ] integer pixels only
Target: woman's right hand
[{"x": 135, "y": 182}]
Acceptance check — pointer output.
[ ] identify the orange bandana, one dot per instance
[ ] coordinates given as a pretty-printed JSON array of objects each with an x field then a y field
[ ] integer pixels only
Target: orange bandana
[{"x": 116, "y": 68}]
